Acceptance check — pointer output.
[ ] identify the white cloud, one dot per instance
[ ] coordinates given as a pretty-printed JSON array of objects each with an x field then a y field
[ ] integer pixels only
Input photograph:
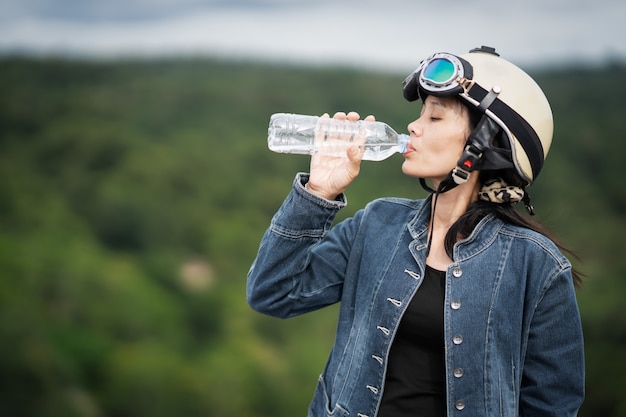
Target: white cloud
[{"x": 392, "y": 35}]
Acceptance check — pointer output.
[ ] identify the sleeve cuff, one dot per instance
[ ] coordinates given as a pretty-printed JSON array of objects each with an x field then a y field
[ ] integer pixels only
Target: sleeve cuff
[{"x": 299, "y": 185}]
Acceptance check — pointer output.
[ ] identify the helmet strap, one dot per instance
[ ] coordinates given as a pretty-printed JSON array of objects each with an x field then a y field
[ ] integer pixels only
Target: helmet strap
[
  {"x": 477, "y": 144},
  {"x": 446, "y": 185}
]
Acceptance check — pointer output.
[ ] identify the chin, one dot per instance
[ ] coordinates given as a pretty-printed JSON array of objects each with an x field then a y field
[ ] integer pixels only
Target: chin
[{"x": 407, "y": 169}]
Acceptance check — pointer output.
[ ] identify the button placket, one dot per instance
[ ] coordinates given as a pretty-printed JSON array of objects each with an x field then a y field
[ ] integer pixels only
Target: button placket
[
  {"x": 397, "y": 303},
  {"x": 457, "y": 339},
  {"x": 386, "y": 331}
]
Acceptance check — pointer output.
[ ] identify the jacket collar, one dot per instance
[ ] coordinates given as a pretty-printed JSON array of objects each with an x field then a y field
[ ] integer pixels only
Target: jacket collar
[
  {"x": 418, "y": 226},
  {"x": 481, "y": 237}
]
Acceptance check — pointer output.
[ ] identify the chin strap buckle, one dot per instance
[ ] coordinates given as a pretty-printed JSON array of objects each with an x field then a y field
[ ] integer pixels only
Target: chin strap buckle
[
  {"x": 467, "y": 164},
  {"x": 478, "y": 142}
]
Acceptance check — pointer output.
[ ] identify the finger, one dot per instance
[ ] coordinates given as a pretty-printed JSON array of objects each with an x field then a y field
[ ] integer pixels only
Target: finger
[
  {"x": 370, "y": 118},
  {"x": 354, "y": 116},
  {"x": 342, "y": 132}
]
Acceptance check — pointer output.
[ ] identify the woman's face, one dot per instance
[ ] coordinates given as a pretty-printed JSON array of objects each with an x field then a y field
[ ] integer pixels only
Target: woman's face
[{"x": 437, "y": 139}]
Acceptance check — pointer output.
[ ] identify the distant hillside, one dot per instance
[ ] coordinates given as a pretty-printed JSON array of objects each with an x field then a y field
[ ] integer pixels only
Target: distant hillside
[{"x": 133, "y": 196}]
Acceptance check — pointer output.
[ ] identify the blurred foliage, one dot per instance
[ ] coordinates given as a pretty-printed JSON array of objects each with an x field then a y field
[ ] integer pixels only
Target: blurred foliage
[{"x": 133, "y": 195}]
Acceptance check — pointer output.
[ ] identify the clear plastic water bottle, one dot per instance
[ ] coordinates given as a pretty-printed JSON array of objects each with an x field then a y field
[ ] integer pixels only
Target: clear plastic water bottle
[{"x": 300, "y": 134}]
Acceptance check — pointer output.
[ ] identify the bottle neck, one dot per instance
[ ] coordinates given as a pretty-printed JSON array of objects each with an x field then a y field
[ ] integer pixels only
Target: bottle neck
[{"x": 403, "y": 141}]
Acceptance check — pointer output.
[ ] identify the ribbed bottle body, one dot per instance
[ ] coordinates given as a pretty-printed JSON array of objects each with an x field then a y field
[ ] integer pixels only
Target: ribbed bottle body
[{"x": 301, "y": 134}]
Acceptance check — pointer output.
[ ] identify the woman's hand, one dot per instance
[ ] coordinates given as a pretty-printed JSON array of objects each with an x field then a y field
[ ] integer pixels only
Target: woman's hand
[{"x": 331, "y": 175}]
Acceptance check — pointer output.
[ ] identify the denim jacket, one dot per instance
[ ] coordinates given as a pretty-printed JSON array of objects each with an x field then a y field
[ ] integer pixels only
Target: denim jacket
[{"x": 513, "y": 338}]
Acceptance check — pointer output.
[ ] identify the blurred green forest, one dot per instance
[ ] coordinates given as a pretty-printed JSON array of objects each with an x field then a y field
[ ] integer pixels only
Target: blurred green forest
[{"x": 133, "y": 196}]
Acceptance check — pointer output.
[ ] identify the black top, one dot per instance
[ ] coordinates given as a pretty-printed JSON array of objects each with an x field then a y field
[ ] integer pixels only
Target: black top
[{"x": 416, "y": 380}]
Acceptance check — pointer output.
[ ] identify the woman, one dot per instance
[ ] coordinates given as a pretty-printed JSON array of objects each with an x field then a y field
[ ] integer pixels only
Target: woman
[{"x": 452, "y": 305}]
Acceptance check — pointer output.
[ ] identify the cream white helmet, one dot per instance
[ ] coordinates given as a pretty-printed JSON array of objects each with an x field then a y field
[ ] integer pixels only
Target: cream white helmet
[{"x": 500, "y": 90}]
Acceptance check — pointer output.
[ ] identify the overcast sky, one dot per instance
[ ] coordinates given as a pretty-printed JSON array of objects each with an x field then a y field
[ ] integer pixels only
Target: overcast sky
[{"x": 378, "y": 34}]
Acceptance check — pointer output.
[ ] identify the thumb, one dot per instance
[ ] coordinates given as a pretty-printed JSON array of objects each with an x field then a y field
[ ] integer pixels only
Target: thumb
[
  {"x": 354, "y": 160},
  {"x": 354, "y": 154}
]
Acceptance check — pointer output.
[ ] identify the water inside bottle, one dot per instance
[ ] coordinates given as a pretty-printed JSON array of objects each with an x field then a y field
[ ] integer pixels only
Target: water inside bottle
[
  {"x": 330, "y": 137},
  {"x": 370, "y": 153}
]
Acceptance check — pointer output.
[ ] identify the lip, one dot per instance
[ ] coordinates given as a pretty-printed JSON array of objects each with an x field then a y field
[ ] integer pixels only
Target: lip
[{"x": 409, "y": 149}]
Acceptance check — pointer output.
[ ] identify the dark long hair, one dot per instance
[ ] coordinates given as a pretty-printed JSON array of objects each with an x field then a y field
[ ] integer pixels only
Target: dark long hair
[
  {"x": 478, "y": 210},
  {"x": 464, "y": 226}
]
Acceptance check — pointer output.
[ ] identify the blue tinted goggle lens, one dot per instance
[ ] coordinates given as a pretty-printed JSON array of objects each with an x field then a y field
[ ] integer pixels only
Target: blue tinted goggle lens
[{"x": 439, "y": 71}]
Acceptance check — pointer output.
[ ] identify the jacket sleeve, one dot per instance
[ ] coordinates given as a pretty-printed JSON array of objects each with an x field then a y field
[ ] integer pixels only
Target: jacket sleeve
[
  {"x": 553, "y": 375},
  {"x": 300, "y": 265}
]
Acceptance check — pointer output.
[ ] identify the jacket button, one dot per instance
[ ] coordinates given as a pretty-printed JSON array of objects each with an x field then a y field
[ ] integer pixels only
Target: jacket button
[
  {"x": 459, "y": 405},
  {"x": 458, "y": 372},
  {"x": 457, "y": 339},
  {"x": 456, "y": 304},
  {"x": 457, "y": 272}
]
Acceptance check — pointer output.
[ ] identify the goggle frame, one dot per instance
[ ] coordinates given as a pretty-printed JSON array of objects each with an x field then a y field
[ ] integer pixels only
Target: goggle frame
[{"x": 433, "y": 66}]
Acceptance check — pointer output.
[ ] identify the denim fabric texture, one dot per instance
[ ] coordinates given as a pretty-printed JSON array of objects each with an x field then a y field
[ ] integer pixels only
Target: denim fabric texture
[{"x": 513, "y": 335}]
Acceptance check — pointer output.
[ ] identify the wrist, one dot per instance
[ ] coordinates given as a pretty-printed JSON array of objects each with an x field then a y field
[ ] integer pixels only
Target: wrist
[
  {"x": 300, "y": 182},
  {"x": 320, "y": 193}
]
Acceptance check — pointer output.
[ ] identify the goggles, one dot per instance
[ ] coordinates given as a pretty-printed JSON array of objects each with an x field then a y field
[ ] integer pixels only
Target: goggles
[{"x": 441, "y": 74}]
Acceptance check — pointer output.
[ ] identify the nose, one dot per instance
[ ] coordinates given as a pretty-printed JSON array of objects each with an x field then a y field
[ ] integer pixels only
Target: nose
[{"x": 414, "y": 128}]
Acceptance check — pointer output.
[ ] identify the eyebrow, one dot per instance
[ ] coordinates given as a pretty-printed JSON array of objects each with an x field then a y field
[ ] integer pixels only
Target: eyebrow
[
  {"x": 432, "y": 104},
  {"x": 438, "y": 103}
]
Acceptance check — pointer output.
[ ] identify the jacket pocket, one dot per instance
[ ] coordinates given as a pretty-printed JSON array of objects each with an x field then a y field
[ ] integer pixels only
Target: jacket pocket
[{"x": 321, "y": 405}]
